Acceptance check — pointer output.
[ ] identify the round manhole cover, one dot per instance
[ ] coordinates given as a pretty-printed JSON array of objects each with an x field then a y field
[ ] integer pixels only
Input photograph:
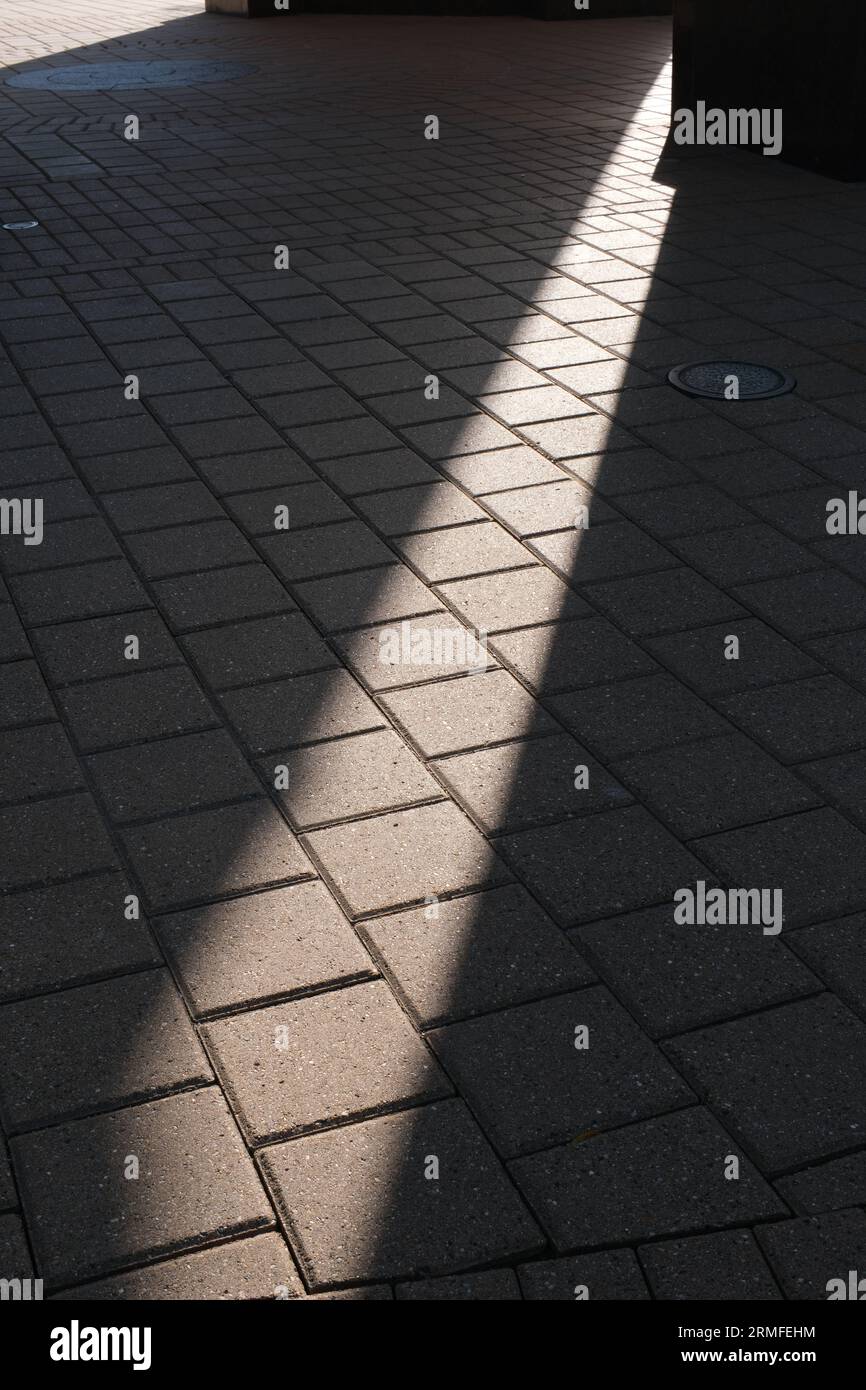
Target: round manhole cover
[
  {"x": 18, "y": 226},
  {"x": 101, "y": 77},
  {"x": 731, "y": 381}
]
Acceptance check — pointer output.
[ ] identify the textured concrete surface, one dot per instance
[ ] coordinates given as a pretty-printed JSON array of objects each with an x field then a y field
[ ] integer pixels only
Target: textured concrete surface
[{"x": 370, "y": 695}]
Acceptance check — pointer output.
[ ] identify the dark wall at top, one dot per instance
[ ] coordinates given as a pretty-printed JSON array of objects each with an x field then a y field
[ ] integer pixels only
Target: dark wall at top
[
  {"x": 803, "y": 56},
  {"x": 535, "y": 9}
]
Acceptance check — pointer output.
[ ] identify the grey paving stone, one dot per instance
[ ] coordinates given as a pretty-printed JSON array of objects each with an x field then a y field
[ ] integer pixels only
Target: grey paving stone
[
  {"x": 96, "y": 1047},
  {"x": 211, "y": 854},
  {"x": 565, "y": 656},
  {"x": 498, "y": 470},
  {"x": 403, "y": 857},
  {"x": 200, "y": 545},
  {"x": 368, "y": 1059},
  {"x": 350, "y": 777},
  {"x": 845, "y": 654},
  {"x": 8, "y": 1193},
  {"x": 518, "y": 785},
  {"x": 473, "y": 954},
  {"x": 531, "y": 1086},
  {"x": 284, "y": 714},
  {"x": 834, "y": 951},
  {"x": 637, "y": 716},
  {"x": 147, "y": 507},
  {"x": 744, "y": 555},
  {"x": 13, "y": 641},
  {"x": 37, "y": 762},
  {"x": 359, "y": 1205},
  {"x": 600, "y": 865},
  {"x": 373, "y": 472},
  {"x": 178, "y": 774},
  {"x": 306, "y": 504},
  {"x": 126, "y": 709},
  {"x": 725, "y": 1266},
  {"x": 808, "y": 1254},
  {"x": 652, "y": 604},
  {"x": 456, "y": 551},
  {"x": 196, "y": 1184},
  {"x": 611, "y": 1275},
  {"x": 68, "y": 934},
  {"x": 263, "y": 468},
  {"x": 256, "y": 1267},
  {"x": 259, "y": 649},
  {"x": 489, "y": 1286},
  {"x": 15, "y": 1259},
  {"x": 261, "y": 946},
  {"x": 448, "y": 716},
  {"x": 424, "y": 508},
  {"x": 359, "y": 1293},
  {"x": 513, "y": 598},
  {"x": 674, "y": 977},
  {"x": 409, "y": 651},
  {"x": 63, "y": 543},
  {"x": 221, "y": 596},
  {"x": 47, "y": 841},
  {"x": 661, "y": 1177},
  {"x": 318, "y": 551},
  {"x": 828, "y": 1187},
  {"x": 714, "y": 784},
  {"x": 94, "y": 648},
  {"x": 24, "y": 696},
  {"x": 841, "y": 781},
  {"x": 815, "y": 858},
  {"x": 556, "y": 506},
  {"x": 381, "y": 595},
  {"x": 597, "y": 553},
  {"x": 807, "y": 605},
  {"x": 765, "y": 658},
  {"x": 786, "y": 1081}
]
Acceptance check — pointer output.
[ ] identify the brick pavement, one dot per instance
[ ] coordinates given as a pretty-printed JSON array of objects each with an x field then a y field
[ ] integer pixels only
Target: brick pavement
[{"x": 300, "y": 945}]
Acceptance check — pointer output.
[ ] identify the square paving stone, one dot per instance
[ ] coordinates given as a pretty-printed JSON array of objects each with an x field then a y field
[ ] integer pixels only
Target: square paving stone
[
  {"x": 827, "y": 1187},
  {"x": 725, "y": 1266},
  {"x": 185, "y": 549},
  {"x": 763, "y": 657},
  {"x": 359, "y": 1205},
  {"x": 673, "y": 977},
  {"x": 408, "y": 651},
  {"x": 517, "y": 785},
  {"x": 424, "y": 508},
  {"x": 349, "y": 777},
  {"x": 404, "y": 857},
  {"x": 457, "y": 551},
  {"x": 322, "y": 550},
  {"x": 637, "y": 716},
  {"x": 261, "y": 649},
  {"x": 65, "y": 935},
  {"x": 530, "y": 511},
  {"x": 808, "y": 605},
  {"x": 834, "y": 950},
  {"x": 600, "y": 865},
  {"x": 37, "y": 762},
  {"x": 489, "y": 1286},
  {"x": 177, "y": 774},
  {"x": 650, "y": 604},
  {"x": 531, "y": 1086},
  {"x": 610, "y": 1275},
  {"x": 514, "y": 598},
  {"x": 305, "y": 504},
  {"x": 473, "y": 954},
  {"x": 24, "y": 696},
  {"x": 802, "y": 719},
  {"x": 260, "y": 469},
  {"x": 210, "y": 854},
  {"x": 680, "y": 511},
  {"x": 63, "y": 543},
  {"x": 127, "y": 709},
  {"x": 283, "y": 714},
  {"x": 260, "y": 946},
  {"x": 713, "y": 784},
  {"x": 744, "y": 555},
  {"x": 661, "y": 1177},
  {"x": 100, "y": 1046},
  {"x": 448, "y": 716},
  {"x": 565, "y": 656},
  {"x": 258, "y": 1267},
  {"x": 221, "y": 596},
  {"x": 94, "y": 648},
  {"x": 806, "y": 1255},
  {"x": 45, "y": 841},
  {"x": 787, "y": 1082},
  {"x": 379, "y": 595},
  {"x": 197, "y": 1184},
  {"x": 144, "y": 508},
  {"x": 817, "y": 859},
  {"x": 324, "y": 1060}
]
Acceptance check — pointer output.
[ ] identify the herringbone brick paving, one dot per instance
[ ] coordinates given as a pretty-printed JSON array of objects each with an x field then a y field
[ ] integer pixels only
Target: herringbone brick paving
[{"x": 334, "y": 1056}]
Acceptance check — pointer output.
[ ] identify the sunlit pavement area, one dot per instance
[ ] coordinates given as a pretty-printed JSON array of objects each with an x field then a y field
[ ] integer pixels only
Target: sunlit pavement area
[{"x": 398, "y": 645}]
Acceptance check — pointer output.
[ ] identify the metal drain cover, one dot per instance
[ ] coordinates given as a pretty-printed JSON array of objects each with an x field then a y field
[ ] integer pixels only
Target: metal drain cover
[
  {"x": 102, "y": 77},
  {"x": 713, "y": 380},
  {"x": 18, "y": 226}
]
